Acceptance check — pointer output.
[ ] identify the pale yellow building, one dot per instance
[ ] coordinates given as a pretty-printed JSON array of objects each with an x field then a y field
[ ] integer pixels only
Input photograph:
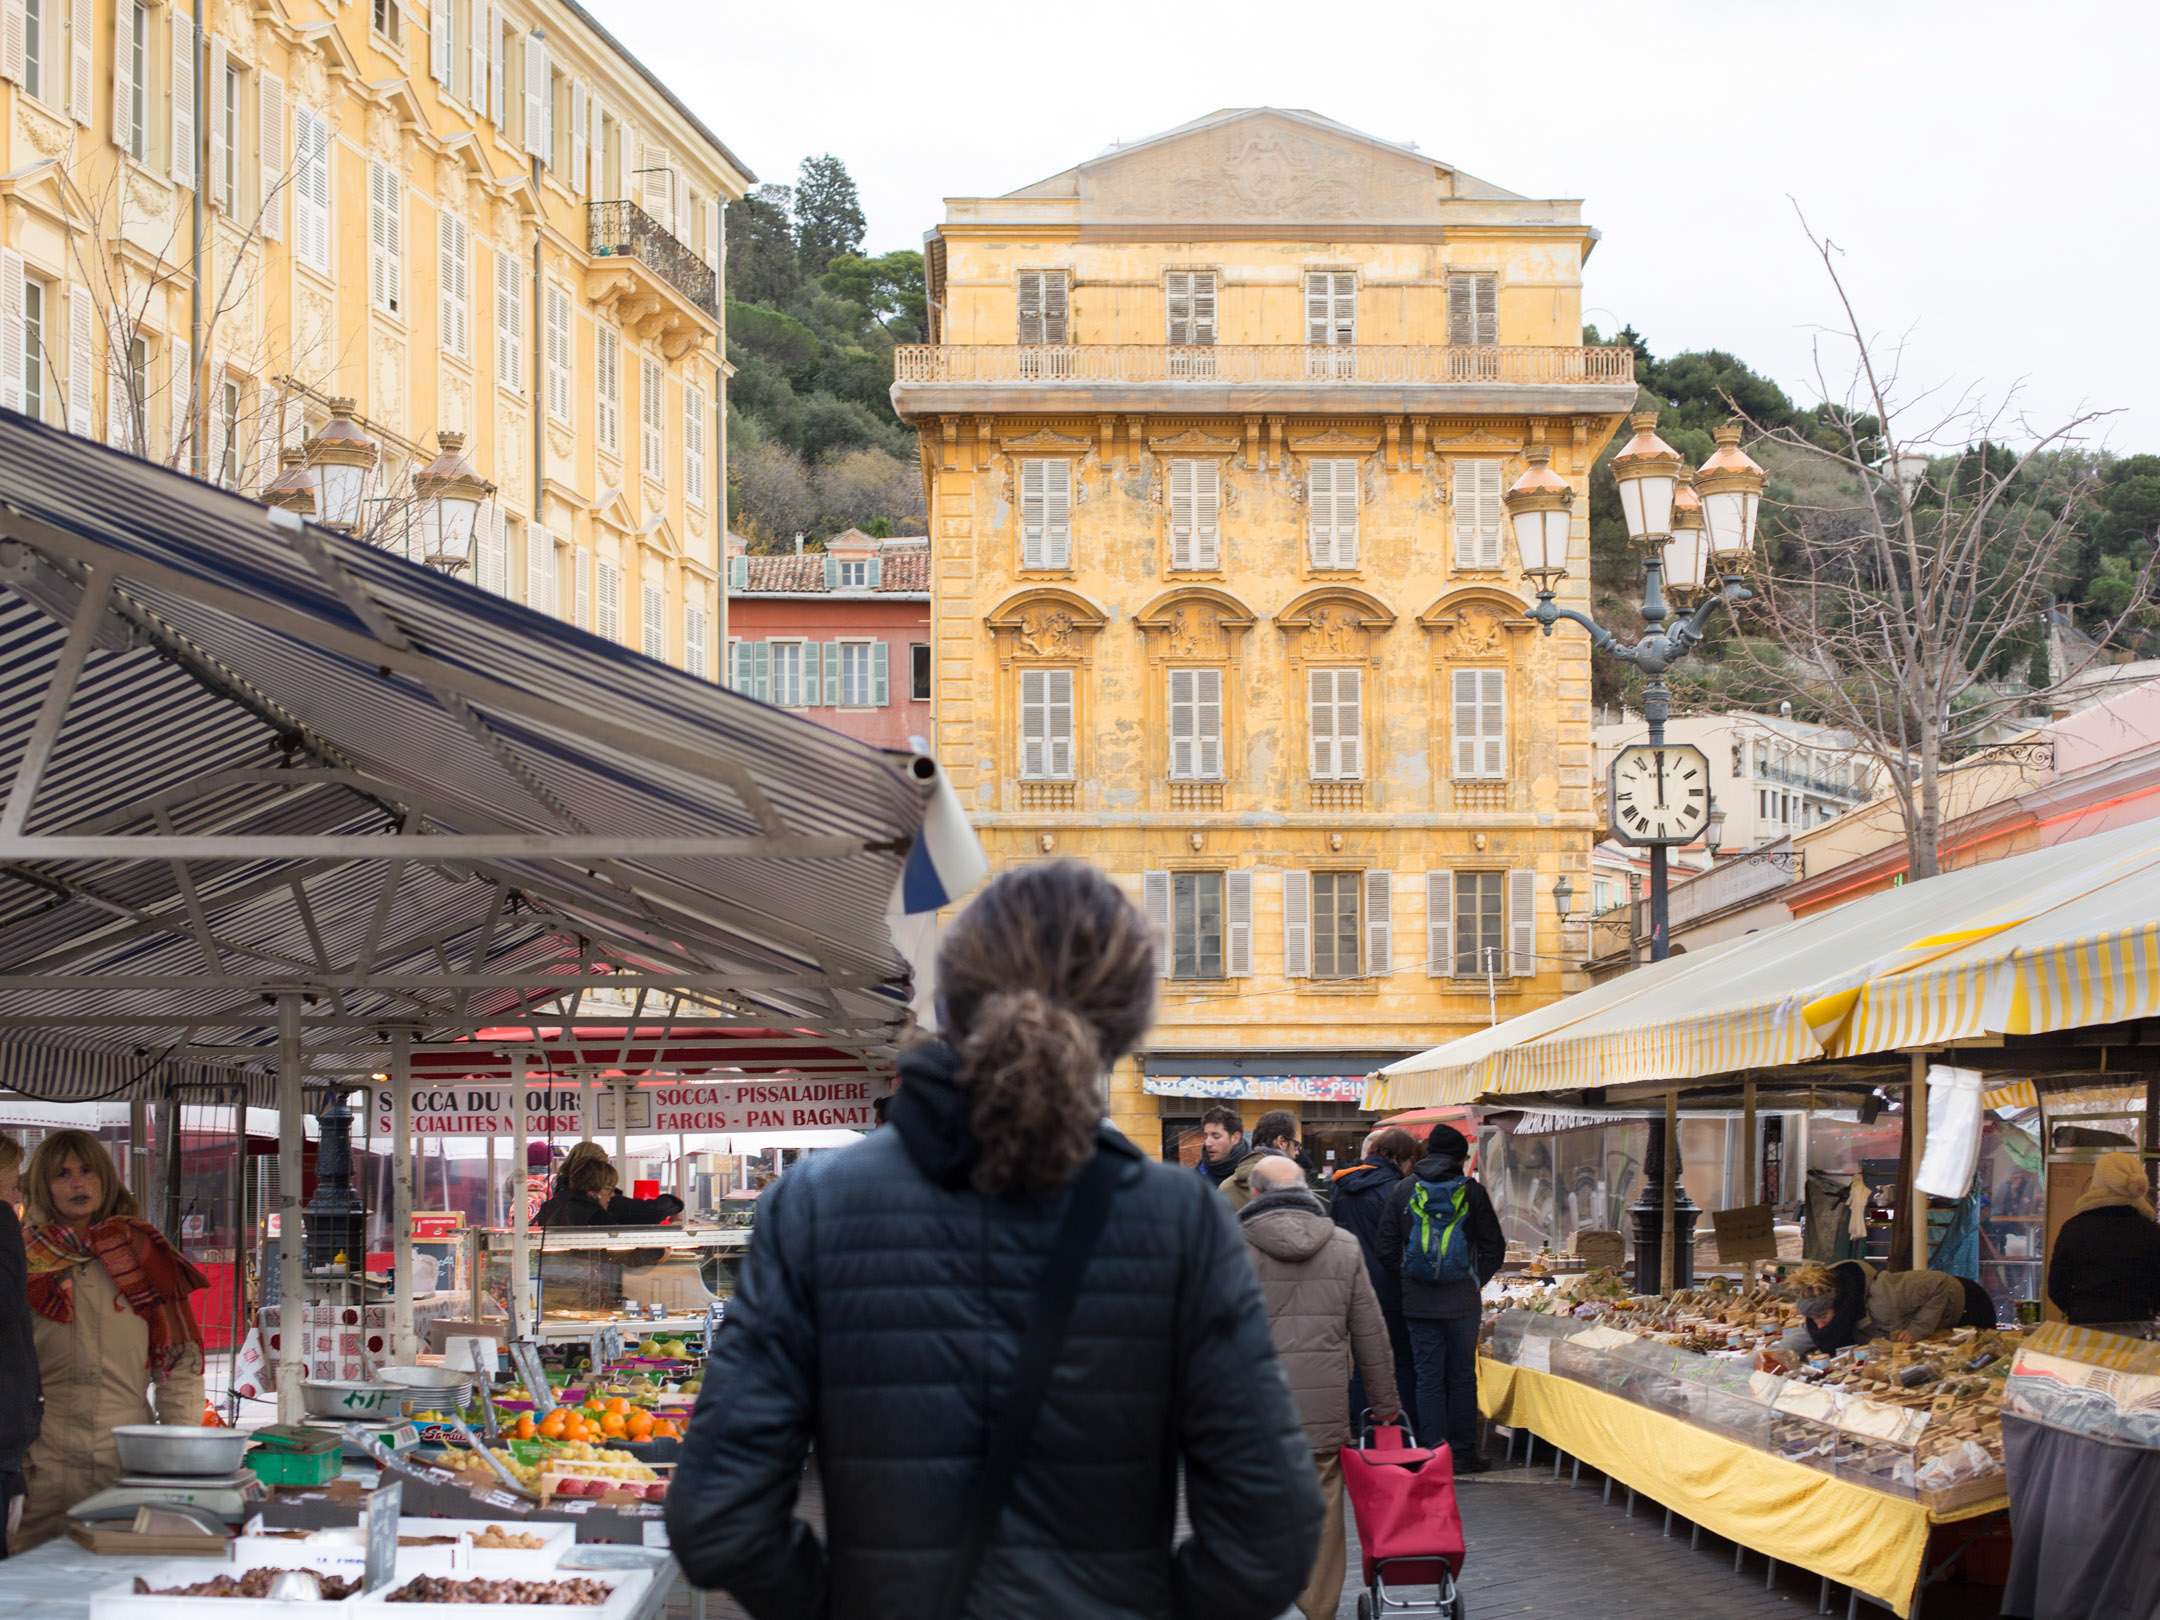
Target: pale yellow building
[
  {"x": 1216, "y": 428},
  {"x": 468, "y": 216}
]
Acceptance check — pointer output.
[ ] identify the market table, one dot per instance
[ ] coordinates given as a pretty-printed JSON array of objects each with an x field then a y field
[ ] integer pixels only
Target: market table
[
  {"x": 56, "y": 1581},
  {"x": 1866, "y": 1539}
]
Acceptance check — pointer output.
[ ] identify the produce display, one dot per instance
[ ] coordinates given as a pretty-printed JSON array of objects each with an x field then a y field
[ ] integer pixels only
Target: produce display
[
  {"x": 560, "y": 1593},
  {"x": 575, "y": 1461},
  {"x": 255, "y": 1583},
  {"x": 496, "y": 1539}
]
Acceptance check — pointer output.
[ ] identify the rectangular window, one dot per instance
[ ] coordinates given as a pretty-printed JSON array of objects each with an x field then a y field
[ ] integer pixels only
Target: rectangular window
[
  {"x": 387, "y": 22},
  {"x": 851, "y": 576},
  {"x": 919, "y": 673},
  {"x": 386, "y": 249},
  {"x": 652, "y": 429},
  {"x": 558, "y": 353},
  {"x": 33, "y": 349},
  {"x": 1331, "y": 322},
  {"x": 1045, "y": 514},
  {"x": 138, "y": 87},
  {"x": 855, "y": 682},
  {"x": 1335, "y": 708},
  {"x": 509, "y": 322},
  {"x": 311, "y": 188},
  {"x": 1480, "y": 924},
  {"x": 1480, "y": 724},
  {"x": 454, "y": 240},
  {"x": 607, "y": 387},
  {"x": 693, "y": 640},
  {"x": 1478, "y": 514},
  {"x": 1046, "y": 725},
  {"x": 1196, "y": 725},
  {"x": 1335, "y": 913},
  {"x": 1473, "y": 311},
  {"x": 653, "y": 621},
  {"x": 609, "y": 593},
  {"x": 225, "y": 434},
  {"x": 1331, "y": 513},
  {"x": 227, "y": 117},
  {"x": 1195, "y": 512},
  {"x": 1043, "y": 303},
  {"x": 32, "y": 26},
  {"x": 1189, "y": 297},
  {"x": 693, "y": 445},
  {"x": 787, "y": 676},
  {"x": 1196, "y": 925}
]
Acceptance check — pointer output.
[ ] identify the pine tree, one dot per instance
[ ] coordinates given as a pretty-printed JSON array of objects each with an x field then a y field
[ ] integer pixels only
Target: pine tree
[
  {"x": 761, "y": 247},
  {"x": 828, "y": 214}
]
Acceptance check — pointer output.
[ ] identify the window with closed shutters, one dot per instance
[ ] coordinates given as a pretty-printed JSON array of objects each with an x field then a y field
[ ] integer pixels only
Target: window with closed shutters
[
  {"x": 1045, "y": 514},
  {"x": 1046, "y": 724},
  {"x": 693, "y": 445},
  {"x": 1335, "y": 927},
  {"x": 1335, "y": 715},
  {"x": 1044, "y": 296},
  {"x": 1473, "y": 307},
  {"x": 386, "y": 238},
  {"x": 1196, "y": 925},
  {"x": 1331, "y": 323},
  {"x": 311, "y": 188},
  {"x": 509, "y": 322},
  {"x": 1478, "y": 514},
  {"x": 453, "y": 239},
  {"x": 1195, "y": 513},
  {"x": 1196, "y": 725},
  {"x": 559, "y": 339},
  {"x": 1331, "y": 513},
  {"x": 693, "y": 636},
  {"x": 652, "y": 426},
  {"x": 652, "y": 621},
  {"x": 609, "y": 595},
  {"x": 607, "y": 388},
  {"x": 1480, "y": 924},
  {"x": 1480, "y": 705},
  {"x": 1189, "y": 299}
]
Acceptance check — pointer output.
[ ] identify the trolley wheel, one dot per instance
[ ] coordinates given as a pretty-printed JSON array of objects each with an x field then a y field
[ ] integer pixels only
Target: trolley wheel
[
  {"x": 1364, "y": 1606},
  {"x": 1458, "y": 1610}
]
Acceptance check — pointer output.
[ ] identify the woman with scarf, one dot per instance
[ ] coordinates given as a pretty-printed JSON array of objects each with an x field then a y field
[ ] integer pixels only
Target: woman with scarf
[
  {"x": 112, "y": 1324},
  {"x": 2105, "y": 1266}
]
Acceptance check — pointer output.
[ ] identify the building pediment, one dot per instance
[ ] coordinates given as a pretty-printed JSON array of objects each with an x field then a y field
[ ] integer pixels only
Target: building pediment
[
  {"x": 1046, "y": 442},
  {"x": 1193, "y": 442},
  {"x": 1335, "y": 442}
]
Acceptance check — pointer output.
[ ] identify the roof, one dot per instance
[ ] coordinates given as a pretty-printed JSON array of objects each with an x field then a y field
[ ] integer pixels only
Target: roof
[
  {"x": 653, "y": 79},
  {"x": 905, "y": 572},
  {"x": 284, "y": 763}
]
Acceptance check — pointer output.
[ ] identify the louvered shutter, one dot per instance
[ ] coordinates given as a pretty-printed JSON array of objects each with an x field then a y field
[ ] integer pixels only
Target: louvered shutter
[
  {"x": 653, "y": 621},
  {"x": 607, "y": 386},
  {"x": 214, "y": 103},
  {"x": 1192, "y": 319},
  {"x": 1478, "y": 514},
  {"x": 577, "y": 135},
  {"x": 82, "y": 60},
  {"x": 1297, "y": 924},
  {"x": 1461, "y": 315},
  {"x": 539, "y": 569},
  {"x": 1330, "y": 308},
  {"x": 832, "y": 572},
  {"x": 82, "y": 361},
  {"x": 1032, "y": 547},
  {"x": 1318, "y": 308},
  {"x": 1486, "y": 301},
  {"x": 1237, "y": 924},
  {"x": 694, "y": 453},
  {"x": 1480, "y": 723},
  {"x": 180, "y": 395},
  {"x": 558, "y": 353},
  {"x": 498, "y": 83},
  {"x": 1207, "y": 724},
  {"x": 476, "y": 53},
  {"x": 653, "y": 187},
  {"x": 1320, "y": 720},
  {"x": 1207, "y": 514},
  {"x": 484, "y": 562},
  {"x": 1331, "y": 513},
  {"x": 442, "y": 40},
  {"x": 14, "y": 28},
  {"x": 1439, "y": 924},
  {"x": 1054, "y": 284},
  {"x": 1155, "y": 906},
  {"x": 610, "y": 593},
  {"x": 1057, "y": 514},
  {"x": 182, "y": 85},
  {"x": 1060, "y": 729},
  {"x": 694, "y": 640},
  {"x": 1348, "y": 723},
  {"x": 761, "y": 671},
  {"x": 1182, "y": 723},
  {"x": 1346, "y": 514},
  {"x": 834, "y": 694},
  {"x": 123, "y": 75},
  {"x": 1522, "y": 924},
  {"x": 270, "y": 132},
  {"x": 509, "y": 309},
  {"x": 877, "y": 572},
  {"x": 1473, "y": 311},
  {"x": 1379, "y": 923},
  {"x": 880, "y": 675},
  {"x": 12, "y": 335},
  {"x": 220, "y": 429},
  {"x": 1031, "y": 321},
  {"x": 382, "y": 236},
  {"x": 1178, "y": 307},
  {"x": 311, "y": 174},
  {"x": 1181, "y": 513},
  {"x": 1034, "y": 722},
  {"x": 450, "y": 242},
  {"x": 534, "y": 115}
]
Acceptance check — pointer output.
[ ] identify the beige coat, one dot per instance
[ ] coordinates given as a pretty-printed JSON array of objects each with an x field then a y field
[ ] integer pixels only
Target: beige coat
[
  {"x": 1915, "y": 1302},
  {"x": 96, "y": 1373},
  {"x": 1322, "y": 1309}
]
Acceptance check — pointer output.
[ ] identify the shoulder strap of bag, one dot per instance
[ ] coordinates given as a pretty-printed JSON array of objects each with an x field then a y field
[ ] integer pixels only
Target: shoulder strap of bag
[{"x": 1049, "y": 1315}]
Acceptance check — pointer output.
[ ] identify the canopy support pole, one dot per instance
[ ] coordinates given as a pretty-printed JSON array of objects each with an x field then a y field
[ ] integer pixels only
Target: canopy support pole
[
  {"x": 1750, "y": 1155},
  {"x": 520, "y": 1213},
  {"x": 1916, "y": 1102},
  {"x": 2152, "y": 1128},
  {"x": 401, "y": 1197},
  {"x": 239, "y": 1250},
  {"x": 622, "y": 1129},
  {"x": 1672, "y": 1175},
  {"x": 138, "y": 1177},
  {"x": 292, "y": 1130}
]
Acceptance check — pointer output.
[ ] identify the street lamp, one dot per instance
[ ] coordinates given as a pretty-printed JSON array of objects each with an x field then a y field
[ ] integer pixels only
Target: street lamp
[
  {"x": 292, "y": 490},
  {"x": 1563, "y": 898},
  {"x": 449, "y": 497},
  {"x": 339, "y": 460},
  {"x": 1713, "y": 832}
]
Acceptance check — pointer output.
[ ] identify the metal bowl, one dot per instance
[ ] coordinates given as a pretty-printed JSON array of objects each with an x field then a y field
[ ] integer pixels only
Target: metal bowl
[
  {"x": 182, "y": 1449},
  {"x": 339, "y": 1399},
  {"x": 443, "y": 1386}
]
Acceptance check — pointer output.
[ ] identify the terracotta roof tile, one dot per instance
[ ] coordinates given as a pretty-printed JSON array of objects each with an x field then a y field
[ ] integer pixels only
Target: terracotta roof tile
[
  {"x": 906, "y": 570},
  {"x": 806, "y": 573}
]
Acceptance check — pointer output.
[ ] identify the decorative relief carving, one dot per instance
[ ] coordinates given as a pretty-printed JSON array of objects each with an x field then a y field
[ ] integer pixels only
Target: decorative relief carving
[
  {"x": 47, "y": 135},
  {"x": 1337, "y": 630},
  {"x": 1477, "y": 439},
  {"x": 315, "y": 328},
  {"x": 1478, "y": 633},
  {"x": 382, "y": 134},
  {"x": 561, "y": 442},
  {"x": 386, "y": 377},
  {"x": 1195, "y": 442},
  {"x": 1195, "y": 631},
  {"x": 511, "y": 473},
  {"x": 451, "y": 187},
  {"x": 1047, "y": 442},
  {"x": 1048, "y": 632},
  {"x": 1335, "y": 442},
  {"x": 311, "y": 78},
  {"x": 453, "y": 395}
]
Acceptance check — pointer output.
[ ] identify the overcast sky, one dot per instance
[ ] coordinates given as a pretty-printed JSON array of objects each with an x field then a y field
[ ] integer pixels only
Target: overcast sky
[{"x": 1987, "y": 169}]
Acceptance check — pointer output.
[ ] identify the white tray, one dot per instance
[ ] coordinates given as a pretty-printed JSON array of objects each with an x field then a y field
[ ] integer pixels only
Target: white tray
[
  {"x": 496, "y": 1563},
  {"x": 125, "y": 1603},
  {"x": 629, "y": 1590}
]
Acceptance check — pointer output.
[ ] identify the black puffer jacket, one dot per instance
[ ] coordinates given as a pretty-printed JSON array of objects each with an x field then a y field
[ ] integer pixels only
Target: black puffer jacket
[
  {"x": 1361, "y": 1195},
  {"x": 879, "y": 1314}
]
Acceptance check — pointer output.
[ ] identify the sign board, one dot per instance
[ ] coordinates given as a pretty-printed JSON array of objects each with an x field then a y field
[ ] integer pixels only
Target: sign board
[
  {"x": 675, "y": 1108},
  {"x": 472, "y": 1109},
  {"x": 194, "y": 1226},
  {"x": 437, "y": 1226},
  {"x": 276, "y": 1224},
  {"x": 1745, "y": 1234},
  {"x": 525, "y": 1359},
  {"x": 606, "y": 1107},
  {"x": 383, "y": 1509},
  {"x": 764, "y": 1105}
]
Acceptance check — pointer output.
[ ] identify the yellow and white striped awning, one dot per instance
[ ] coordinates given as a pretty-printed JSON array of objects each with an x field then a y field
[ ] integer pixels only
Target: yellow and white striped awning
[{"x": 2055, "y": 939}]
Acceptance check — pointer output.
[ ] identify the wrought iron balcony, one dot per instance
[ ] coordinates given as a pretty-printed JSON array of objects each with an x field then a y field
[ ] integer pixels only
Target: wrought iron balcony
[{"x": 623, "y": 230}]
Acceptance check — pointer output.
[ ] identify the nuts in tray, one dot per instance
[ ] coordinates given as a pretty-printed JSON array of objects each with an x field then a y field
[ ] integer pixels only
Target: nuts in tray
[
  {"x": 254, "y": 1584},
  {"x": 496, "y": 1539},
  {"x": 442, "y": 1589}
]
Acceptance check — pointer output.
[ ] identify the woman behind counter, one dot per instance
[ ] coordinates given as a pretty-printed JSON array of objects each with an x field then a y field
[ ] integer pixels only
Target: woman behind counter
[
  {"x": 2106, "y": 1263},
  {"x": 585, "y": 1195},
  {"x": 111, "y": 1321}
]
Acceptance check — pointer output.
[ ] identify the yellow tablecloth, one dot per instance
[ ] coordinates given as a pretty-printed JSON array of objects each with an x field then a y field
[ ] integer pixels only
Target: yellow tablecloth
[{"x": 1859, "y": 1537}]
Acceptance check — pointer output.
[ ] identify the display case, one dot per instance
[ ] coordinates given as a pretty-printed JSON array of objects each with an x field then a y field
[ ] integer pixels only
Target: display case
[
  {"x": 1727, "y": 1396},
  {"x": 648, "y": 1280},
  {"x": 1804, "y": 1425},
  {"x": 1526, "y": 1338},
  {"x": 1876, "y": 1444}
]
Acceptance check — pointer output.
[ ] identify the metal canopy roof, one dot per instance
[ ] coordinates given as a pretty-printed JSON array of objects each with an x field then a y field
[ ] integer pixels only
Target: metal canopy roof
[
  {"x": 246, "y": 759},
  {"x": 654, "y": 1053}
]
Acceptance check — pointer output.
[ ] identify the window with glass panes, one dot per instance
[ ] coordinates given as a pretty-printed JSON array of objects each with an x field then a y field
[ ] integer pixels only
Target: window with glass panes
[
  {"x": 1196, "y": 925},
  {"x": 919, "y": 673},
  {"x": 855, "y": 684},
  {"x": 787, "y": 675},
  {"x": 1335, "y": 898},
  {"x": 33, "y": 63},
  {"x": 33, "y": 355},
  {"x": 1480, "y": 923}
]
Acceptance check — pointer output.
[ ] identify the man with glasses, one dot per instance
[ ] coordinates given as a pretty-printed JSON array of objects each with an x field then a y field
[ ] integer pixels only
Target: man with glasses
[{"x": 1275, "y": 1135}]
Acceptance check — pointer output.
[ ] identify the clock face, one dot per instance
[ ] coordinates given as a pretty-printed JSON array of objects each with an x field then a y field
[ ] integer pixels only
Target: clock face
[{"x": 1660, "y": 795}]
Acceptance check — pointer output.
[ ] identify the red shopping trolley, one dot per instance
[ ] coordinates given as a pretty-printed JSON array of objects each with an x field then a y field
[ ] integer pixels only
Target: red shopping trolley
[{"x": 1409, "y": 1526}]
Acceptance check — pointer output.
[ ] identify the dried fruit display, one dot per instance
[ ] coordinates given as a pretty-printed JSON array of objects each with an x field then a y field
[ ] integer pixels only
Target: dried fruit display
[
  {"x": 496, "y": 1539},
  {"x": 254, "y": 1584},
  {"x": 573, "y": 1593}
]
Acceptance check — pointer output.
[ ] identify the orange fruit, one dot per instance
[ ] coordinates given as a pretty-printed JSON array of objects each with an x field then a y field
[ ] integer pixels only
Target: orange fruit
[
  {"x": 664, "y": 1429},
  {"x": 551, "y": 1426},
  {"x": 612, "y": 1425},
  {"x": 639, "y": 1426},
  {"x": 618, "y": 1404}
]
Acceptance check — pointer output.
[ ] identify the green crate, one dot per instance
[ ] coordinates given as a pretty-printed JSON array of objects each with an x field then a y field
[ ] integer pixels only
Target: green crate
[{"x": 296, "y": 1467}]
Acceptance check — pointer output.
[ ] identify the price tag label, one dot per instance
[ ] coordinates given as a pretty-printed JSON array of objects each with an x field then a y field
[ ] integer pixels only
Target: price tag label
[
  {"x": 384, "y": 1507},
  {"x": 500, "y": 1499},
  {"x": 404, "y": 1435}
]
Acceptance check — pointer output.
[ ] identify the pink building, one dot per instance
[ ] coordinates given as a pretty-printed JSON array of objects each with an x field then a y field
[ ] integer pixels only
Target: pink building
[{"x": 842, "y": 635}]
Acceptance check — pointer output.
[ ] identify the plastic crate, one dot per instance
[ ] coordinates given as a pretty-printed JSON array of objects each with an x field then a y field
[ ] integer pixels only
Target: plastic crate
[{"x": 296, "y": 1467}]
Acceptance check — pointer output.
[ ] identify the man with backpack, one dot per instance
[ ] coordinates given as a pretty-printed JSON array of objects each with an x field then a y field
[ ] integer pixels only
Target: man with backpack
[{"x": 1441, "y": 1241}]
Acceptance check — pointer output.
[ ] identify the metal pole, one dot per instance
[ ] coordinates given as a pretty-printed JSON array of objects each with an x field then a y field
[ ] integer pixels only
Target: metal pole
[
  {"x": 138, "y": 1177},
  {"x": 1654, "y": 698},
  {"x": 1748, "y": 1153},
  {"x": 239, "y": 1247},
  {"x": 520, "y": 1214},
  {"x": 1492, "y": 999},
  {"x": 622, "y": 1128},
  {"x": 401, "y": 1196},
  {"x": 1916, "y": 1104},
  {"x": 292, "y": 1309},
  {"x": 198, "y": 161},
  {"x": 169, "y": 1152},
  {"x": 1672, "y": 1175}
]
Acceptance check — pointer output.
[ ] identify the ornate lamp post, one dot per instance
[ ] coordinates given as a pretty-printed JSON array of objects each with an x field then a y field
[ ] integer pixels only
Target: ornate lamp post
[
  {"x": 450, "y": 493},
  {"x": 339, "y": 460},
  {"x": 1658, "y": 795},
  {"x": 292, "y": 489}
]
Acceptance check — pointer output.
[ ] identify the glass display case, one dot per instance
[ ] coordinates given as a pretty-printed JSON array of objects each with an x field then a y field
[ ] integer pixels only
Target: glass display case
[
  {"x": 1526, "y": 1338},
  {"x": 649, "y": 1280},
  {"x": 1875, "y": 1444},
  {"x": 1804, "y": 1425},
  {"x": 1727, "y": 1396}
]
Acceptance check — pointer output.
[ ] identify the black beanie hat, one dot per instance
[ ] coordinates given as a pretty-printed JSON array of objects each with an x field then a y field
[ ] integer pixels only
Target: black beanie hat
[{"x": 1448, "y": 1142}]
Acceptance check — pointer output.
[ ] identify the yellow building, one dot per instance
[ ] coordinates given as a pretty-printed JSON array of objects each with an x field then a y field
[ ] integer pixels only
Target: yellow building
[
  {"x": 1216, "y": 428},
  {"x": 467, "y": 216}
]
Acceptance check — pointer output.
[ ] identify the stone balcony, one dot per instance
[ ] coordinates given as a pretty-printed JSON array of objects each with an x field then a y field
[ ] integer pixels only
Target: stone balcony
[
  {"x": 656, "y": 270},
  {"x": 1233, "y": 378}
]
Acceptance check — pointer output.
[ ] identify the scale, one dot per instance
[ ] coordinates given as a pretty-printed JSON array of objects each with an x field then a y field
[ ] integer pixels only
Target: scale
[
  {"x": 396, "y": 1437},
  {"x": 231, "y": 1497}
]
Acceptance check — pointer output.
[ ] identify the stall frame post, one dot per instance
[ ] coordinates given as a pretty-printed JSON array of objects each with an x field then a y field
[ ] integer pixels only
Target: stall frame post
[
  {"x": 2151, "y": 1133},
  {"x": 139, "y": 1150},
  {"x": 401, "y": 1197},
  {"x": 1667, "y": 1237},
  {"x": 1916, "y": 1104},
  {"x": 622, "y": 1128},
  {"x": 1750, "y": 1154},
  {"x": 520, "y": 1216},
  {"x": 239, "y": 1248},
  {"x": 292, "y": 1131}
]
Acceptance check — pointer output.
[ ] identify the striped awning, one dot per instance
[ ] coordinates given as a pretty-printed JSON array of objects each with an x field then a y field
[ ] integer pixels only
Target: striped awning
[{"x": 2056, "y": 939}]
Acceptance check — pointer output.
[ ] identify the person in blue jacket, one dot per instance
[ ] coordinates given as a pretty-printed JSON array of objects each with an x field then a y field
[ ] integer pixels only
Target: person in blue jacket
[{"x": 1360, "y": 1198}]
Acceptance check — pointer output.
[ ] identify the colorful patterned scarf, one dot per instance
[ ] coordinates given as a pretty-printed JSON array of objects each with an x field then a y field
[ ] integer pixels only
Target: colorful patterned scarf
[{"x": 151, "y": 1277}]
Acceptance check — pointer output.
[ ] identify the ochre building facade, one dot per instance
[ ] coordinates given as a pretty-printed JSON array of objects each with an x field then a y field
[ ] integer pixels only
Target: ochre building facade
[{"x": 1216, "y": 429}]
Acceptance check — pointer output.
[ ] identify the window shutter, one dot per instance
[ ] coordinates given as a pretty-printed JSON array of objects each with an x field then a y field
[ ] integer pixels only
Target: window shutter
[
  {"x": 1320, "y": 512},
  {"x": 1207, "y": 514},
  {"x": 214, "y": 102},
  {"x": 1467, "y": 736},
  {"x": 498, "y": 83},
  {"x": 1461, "y": 316},
  {"x": 1439, "y": 924},
  {"x": 1320, "y": 718},
  {"x": 384, "y": 244},
  {"x": 1297, "y": 924},
  {"x": 1182, "y": 723},
  {"x": 488, "y": 539},
  {"x": 596, "y": 147},
  {"x": 577, "y": 134},
  {"x": 1492, "y": 737},
  {"x": 1032, "y": 551},
  {"x": 214, "y": 462},
  {"x": 82, "y": 60},
  {"x": 1181, "y": 513},
  {"x": 880, "y": 675},
  {"x": 1030, "y": 294},
  {"x": 652, "y": 621},
  {"x": 1053, "y": 306},
  {"x": 123, "y": 74},
  {"x": 1330, "y": 308},
  {"x": 1237, "y": 924},
  {"x": 1486, "y": 301},
  {"x": 311, "y": 163},
  {"x": 761, "y": 671},
  {"x": 12, "y": 335},
  {"x": 182, "y": 85},
  {"x": 834, "y": 695},
  {"x": 581, "y": 587},
  {"x": 653, "y": 187},
  {"x": 509, "y": 322},
  {"x": 536, "y": 95},
  {"x": 609, "y": 594},
  {"x": 81, "y": 361},
  {"x": 1190, "y": 301},
  {"x": 694, "y": 640},
  {"x": 1177, "y": 307},
  {"x": 1379, "y": 923},
  {"x": 832, "y": 572},
  {"x": 1346, "y": 514},
  {"x": 1317, "y": 308},
  {"x": 738, "y": 573},
  {"x": 1034, "y": 721},
  {"x": 1348, "y": 723},
  {"x": 477, "y": 54},
  {"x": 450, "y": 243},
  {"x": 270, "y": 132},
  {"x": 607, "y": 386},
  {"x": 694, "y": 449},
  {"x": 1060, "y": 728},
  {"x": 1478, "y": 514},
  {"x": 539, "y": 569},
  {"x": 1155, "y": 906},
  {"x": 1522, "y": 924},
  {"x": 1203, "y": 309},
  {"x": 442, "y": 40},
  {"x": 1207, "y": 724},
  {"x": 1057, "y": 514},
  {"x": 180, "y": 397},
  {"x": 876, "y": 575}
]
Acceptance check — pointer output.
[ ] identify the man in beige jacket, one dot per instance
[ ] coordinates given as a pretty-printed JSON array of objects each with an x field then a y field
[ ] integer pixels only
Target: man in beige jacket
[{"x": 1323, "y": 1310}]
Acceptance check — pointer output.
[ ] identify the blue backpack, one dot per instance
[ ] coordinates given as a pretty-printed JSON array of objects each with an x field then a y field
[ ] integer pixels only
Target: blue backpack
[{"x": 1436, "y": 1249}]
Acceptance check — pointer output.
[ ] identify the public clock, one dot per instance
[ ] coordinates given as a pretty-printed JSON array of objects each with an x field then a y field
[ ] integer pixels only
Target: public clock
[{"x": 1660, "y": 794}]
